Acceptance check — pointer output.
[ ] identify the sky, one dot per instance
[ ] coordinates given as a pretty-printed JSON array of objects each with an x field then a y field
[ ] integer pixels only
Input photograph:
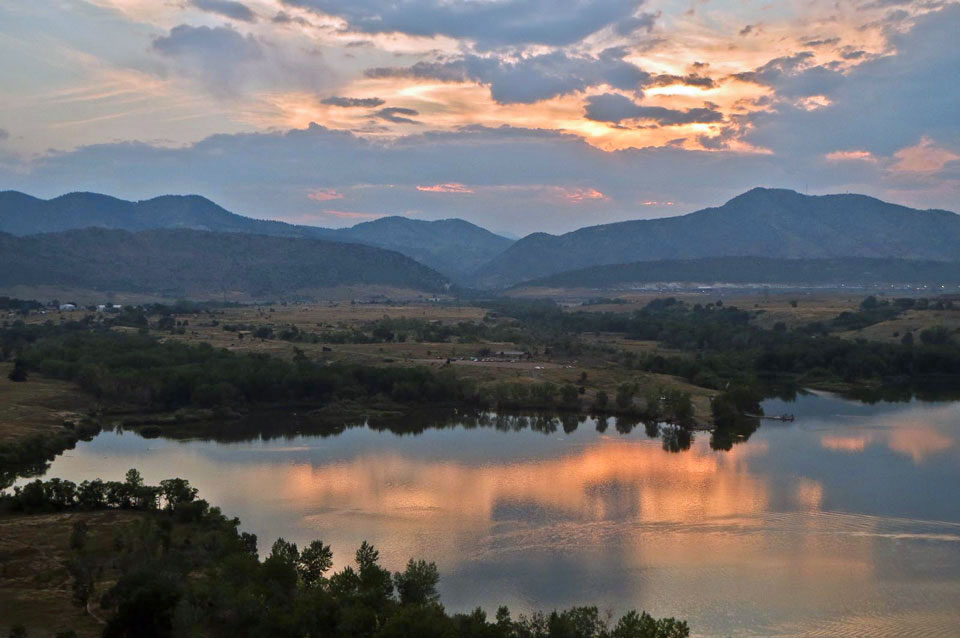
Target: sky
[{"x": 517, "y": 115}]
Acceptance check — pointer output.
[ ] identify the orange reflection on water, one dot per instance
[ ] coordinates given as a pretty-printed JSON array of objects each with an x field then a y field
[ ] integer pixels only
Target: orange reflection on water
[
  {"x": 919, "y": 441},
  {"x": 611, "y": 477},
  {"x": 845, "y": 443}
]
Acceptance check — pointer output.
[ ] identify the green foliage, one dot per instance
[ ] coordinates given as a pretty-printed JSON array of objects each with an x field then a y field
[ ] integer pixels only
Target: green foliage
[
  {"x": 201, "y": 576},
  {"x": 417, "y": 585}
]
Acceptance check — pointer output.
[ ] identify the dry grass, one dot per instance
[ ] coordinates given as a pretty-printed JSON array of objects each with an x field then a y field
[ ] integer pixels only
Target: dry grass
[
  {"x": 911, "y": 321},
  {"x": 36, "y": 406},
  {"x": 35, "y": 586}
]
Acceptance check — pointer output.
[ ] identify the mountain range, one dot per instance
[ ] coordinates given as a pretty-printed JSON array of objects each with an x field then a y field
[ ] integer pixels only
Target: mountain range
[
  {"x": 183, "y": 263},
  {"x": 451, "y": 246},
  {"x": 762, "y": 222},
  {"x": 775, "y": 224}
]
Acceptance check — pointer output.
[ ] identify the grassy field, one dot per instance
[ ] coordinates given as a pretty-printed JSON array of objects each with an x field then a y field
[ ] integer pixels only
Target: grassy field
[
  {"x": 35, "y": 586},
  {"x": 46, "y": 404},
  {"x": 39, "y": 406}
]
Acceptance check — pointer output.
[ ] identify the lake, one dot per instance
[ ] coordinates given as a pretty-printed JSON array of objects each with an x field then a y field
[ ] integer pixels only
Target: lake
[{"x": 845, "y": 522}]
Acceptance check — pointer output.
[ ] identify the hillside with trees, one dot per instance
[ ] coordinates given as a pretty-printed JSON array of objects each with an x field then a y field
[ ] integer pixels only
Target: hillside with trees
[
  {"x": 197, "y": 264},
  {"x": 762, "y": 222},
  {"x": 451, "y": 246}
]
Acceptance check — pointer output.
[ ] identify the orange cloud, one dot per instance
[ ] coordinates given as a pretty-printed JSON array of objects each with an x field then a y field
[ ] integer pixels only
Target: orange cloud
[
  {"x": 845, "y": 156},
  {"x": 925, "y": 157},
  {"x": 324, "y": 194},
  {"x": 579, "y": 195},
  {"x": 451, "y": 187}
]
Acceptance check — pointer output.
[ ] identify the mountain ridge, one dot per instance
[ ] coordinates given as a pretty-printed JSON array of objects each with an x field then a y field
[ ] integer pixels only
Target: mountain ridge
[
  {"x": 759, "y": 223},
  {"x": 453, "y": 246},
  {"x": 196, "y": 264}
]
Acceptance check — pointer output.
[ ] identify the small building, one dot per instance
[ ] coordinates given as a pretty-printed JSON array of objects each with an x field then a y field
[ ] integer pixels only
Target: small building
[{"x": 68, "y": 307}]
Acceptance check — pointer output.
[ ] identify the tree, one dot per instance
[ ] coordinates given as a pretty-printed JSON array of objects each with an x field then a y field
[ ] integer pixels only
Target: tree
[
  {"x": 19, "y": 372},
  {"x": 634, "y": 625},
  {"x": 569, "y": 394},
  {"x": 417, "y": 585},
  {"x": 601, "y": 401},
  {"x": 624, "y": 397},
  {"x": 315, "y": 560},
  {"x": 176, "y": 491}
]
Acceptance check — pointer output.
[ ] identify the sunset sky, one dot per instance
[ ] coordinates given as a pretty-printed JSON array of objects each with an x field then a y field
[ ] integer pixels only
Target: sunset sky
[{"x": 518, "y": 115}]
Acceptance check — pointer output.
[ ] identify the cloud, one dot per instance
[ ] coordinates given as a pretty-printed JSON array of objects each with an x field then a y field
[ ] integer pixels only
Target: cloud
[
  {"x": 227, "y": 8},
  {"x": 216, "y": 56},
  {"x": 353, "y": 102},
  {"x": 691, "y": 79},
  {"x": 924, "y": 157},
  {"x": 230, "y": 64},
  {"x": 518, "y": 175},
  {"x": 882, "y": 105},
  {"x": 640, "y": 22},
  {"x": 529, "y": 79},
  {"x": 4, "y": 134},
  {"x": 615, "y": 108},
  {"x": 324, "y": 194},
  {"x": 282, "y": 17},
  {"x": 851, "y": 156},
  {"x": 488, "y": 24},
  {"x": 454, "y": 187},
  {"x": 394, "y": 114}
]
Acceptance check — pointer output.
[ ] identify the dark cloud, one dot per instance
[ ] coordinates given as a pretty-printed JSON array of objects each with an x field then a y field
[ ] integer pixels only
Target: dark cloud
[
  {"x": 227, "y": 8},
  {"x": 348, "y": 102},
  {"x": 283, "y": 17},
  {"x": 795, "y": 76},
  {"x": 228, "y": 63},
  {"x": 747, "y": 30},
  {"x": 882, "y": 105},
  {"x": 529, "y": 79},
  {"x": 186, "y": 40},
  {"x": 691, "y": 79},
  {"x": 615, "y": 108},
  {"x": 641, "y": 22},
  {"x": 4, "y": 134},
  {"x": 217, "y": 56},
  {"x": 853, "y": 54},
  {"x": 821, "y": 42},
  {"x": 395, "y": 114},
  {"x": 489, "y": 24}
]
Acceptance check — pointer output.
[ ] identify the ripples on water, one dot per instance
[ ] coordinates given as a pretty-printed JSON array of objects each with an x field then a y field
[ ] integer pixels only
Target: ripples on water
[{"x": 844, "y": 523}]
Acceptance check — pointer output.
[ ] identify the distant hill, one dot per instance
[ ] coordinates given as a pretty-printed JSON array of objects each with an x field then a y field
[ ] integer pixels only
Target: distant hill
[
  {"x": 197, "y": 264},
  {"x": 761, "y": 223},
  {"x": 759, "y": 270},
  {"x": 452, "y": 246}
]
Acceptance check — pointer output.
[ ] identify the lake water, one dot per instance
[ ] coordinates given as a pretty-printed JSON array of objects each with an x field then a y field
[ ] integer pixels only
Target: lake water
[{"x": 843, "y": 523}]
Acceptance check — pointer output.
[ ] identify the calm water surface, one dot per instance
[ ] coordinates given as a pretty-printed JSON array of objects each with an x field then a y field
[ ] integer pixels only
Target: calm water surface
[{"x": 844, "y": 523}]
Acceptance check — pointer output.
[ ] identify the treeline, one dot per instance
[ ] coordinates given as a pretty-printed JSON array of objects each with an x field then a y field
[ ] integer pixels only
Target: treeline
[
  {"x": 185, "y": 569},
  {"x": 19, "y": 305},
  {"x": 142, "y": 371},
  {"x": 727, "y": 347},
  {"x": 137, "y": 370}
]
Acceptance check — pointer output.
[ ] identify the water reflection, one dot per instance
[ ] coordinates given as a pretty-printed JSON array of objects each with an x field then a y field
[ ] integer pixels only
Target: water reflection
[{"x": 842, "y": 523}]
